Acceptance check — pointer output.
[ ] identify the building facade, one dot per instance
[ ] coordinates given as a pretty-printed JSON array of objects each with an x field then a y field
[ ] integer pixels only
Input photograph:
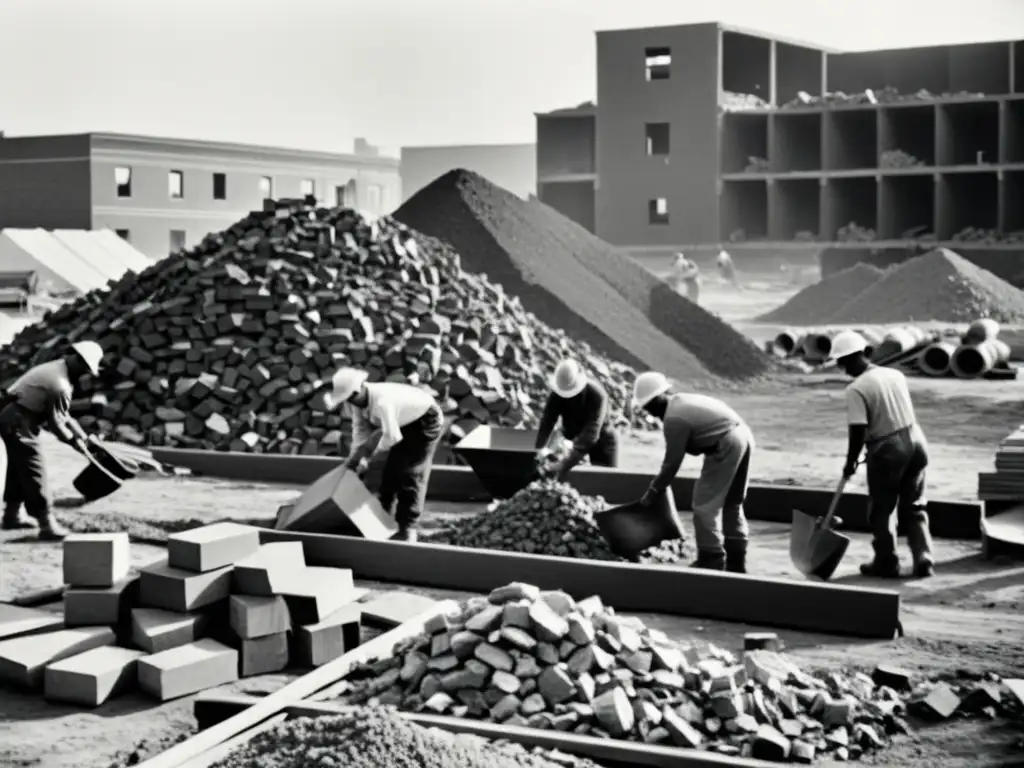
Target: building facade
[
  {"x": 166, "y": 194},
  {"x": 707, "y": 134},
  {"x": 512, "y": 166}
]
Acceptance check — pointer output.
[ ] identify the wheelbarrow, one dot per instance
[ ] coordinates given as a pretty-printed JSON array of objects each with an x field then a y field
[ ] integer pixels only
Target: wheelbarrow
[
  {"x": 814, "y": 546},
  {"x": 503, "y": 459},
  {"x": 630, "y": 529},
  {"x": 105, "y": 473}
]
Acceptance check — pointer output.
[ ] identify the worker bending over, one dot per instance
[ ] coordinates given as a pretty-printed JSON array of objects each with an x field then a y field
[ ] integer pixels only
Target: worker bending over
[
  {"x": 727, "y": 269},
  {"x": 40, "y": 399},
  {"x": 686, "y": 274},
  {"x": 704, "y": 426},
  {"x": 401, "y": 419},
  {"x": 881, "y": 416},
  {"x": 582, "y": 406}
]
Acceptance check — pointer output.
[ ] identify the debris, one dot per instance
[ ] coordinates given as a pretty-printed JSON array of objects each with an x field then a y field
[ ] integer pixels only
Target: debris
[
  {"x": 818, "y": 302},
  {"x": 941, "y": 702}
]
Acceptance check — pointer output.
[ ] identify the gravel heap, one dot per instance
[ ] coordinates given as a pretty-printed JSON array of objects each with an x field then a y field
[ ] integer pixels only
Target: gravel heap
[
  {"x": 940, "y": 285},
  {"x": 818, "y": 302},
  {"x": 382, "y": 738},
  {"x": 541, "y": 659},
  {"x": 573, "y": 280},
  {"x": 546, "y": 518},
  {"x": 230, "y": 345}
]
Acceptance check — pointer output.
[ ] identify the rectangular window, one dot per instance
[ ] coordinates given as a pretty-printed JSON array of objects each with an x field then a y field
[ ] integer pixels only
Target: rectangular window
[
  {"x": 176, "y": 185},
  {"x": 308, "y": 187},
  {"x": 657, "y": 139},
  {"x": 220, "y": 186},
  {"x": 177, "y": 240},
  {"x": 124, "y": 234},
  {"x": 657, "y": 211},
  {"x": 123, "y": 180},
  {"x": 266, "y": 187},
  {"x": 658, "y": 63}
]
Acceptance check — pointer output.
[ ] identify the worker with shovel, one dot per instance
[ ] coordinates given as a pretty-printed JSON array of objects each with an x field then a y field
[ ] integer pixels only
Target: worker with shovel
[
  {"x": 582, "y": 405},
  {"x": 727, "y": 269},
  {"x": 401, "y": 419},
  {"x": 686, "y": 274},
  {"x": 881, "y": 418},
  {"x": 40, "y": 399},
  {"x": 704, "y": 426}
]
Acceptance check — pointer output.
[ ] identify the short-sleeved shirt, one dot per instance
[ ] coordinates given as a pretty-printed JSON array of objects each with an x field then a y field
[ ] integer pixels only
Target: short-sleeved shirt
[
  {"x": 44, "y": 395},
  {"x": 391, "y": 406},
  {"x": 880, "y": 400}
]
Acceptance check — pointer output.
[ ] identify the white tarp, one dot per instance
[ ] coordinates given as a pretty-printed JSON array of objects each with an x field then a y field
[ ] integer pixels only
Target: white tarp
[
  {"x": 83, "y": 244},
  {"x": 133, "y": 258}
]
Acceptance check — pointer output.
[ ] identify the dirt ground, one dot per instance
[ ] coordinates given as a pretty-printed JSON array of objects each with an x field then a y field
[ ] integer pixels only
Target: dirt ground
[{"x": 967, "y": 621}]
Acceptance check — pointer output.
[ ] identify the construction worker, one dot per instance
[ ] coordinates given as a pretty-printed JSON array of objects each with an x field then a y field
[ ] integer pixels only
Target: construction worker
[
  {"x": 704, "y": 426},
  {"x": 727, "y": 269},
  {"x": 582, "y": 405},
  {"x": 881, "y": 418},
  {"x": 686, "y": 274},
  {"x": 41, "y": 398},
  {"x": 401, "y": 419}
]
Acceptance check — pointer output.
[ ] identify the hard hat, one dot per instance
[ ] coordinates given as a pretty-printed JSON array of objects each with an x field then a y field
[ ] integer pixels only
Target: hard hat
[
  {"x": 648, "y": 386},
  {"x": 91, "y": 354},
  {"x": 847, "y": 343},
  {"x": 568, "y": 380},
  {"x": 345, "y": 383},
  {"x": 723, "y": 256}
]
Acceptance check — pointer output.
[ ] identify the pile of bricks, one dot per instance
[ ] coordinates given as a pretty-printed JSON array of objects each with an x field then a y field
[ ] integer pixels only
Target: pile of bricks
[{"x": 231, "y": 345}]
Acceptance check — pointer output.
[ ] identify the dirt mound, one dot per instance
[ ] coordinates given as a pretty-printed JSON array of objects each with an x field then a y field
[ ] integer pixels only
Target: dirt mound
[
  {"x": 817, "y": 303},
  {"x": 941, "y": 285},
  {"x": 574, "y": 281}
]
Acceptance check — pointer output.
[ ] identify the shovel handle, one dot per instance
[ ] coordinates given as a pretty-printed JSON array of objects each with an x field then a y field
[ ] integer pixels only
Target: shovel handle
[{"x": 827, "y": 519}]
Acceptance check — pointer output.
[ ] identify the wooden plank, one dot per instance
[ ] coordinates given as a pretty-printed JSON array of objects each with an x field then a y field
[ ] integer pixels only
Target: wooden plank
[
  {"x": 208, "y": 708},
  {"x": 679, "y": 591},
  {"x": 270, "y": 706},
  {"x": 765, "y": 502}
]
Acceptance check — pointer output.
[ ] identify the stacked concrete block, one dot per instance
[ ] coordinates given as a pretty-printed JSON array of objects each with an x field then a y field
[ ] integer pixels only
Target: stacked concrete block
[
  {"x": 188, "y": 669},
  {"x": 91, "y": 678},
  {"x": 339, "y": 502},
  {"x": 23, "y": 660}
]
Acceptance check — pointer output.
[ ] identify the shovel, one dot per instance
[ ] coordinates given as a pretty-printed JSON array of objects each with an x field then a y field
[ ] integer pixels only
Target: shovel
[{"x": 815, "y": 549}]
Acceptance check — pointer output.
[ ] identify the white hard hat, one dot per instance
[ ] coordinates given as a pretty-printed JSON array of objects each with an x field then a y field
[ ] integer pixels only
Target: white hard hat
[
  {"x": 91, "y": 353},
  {"x": 568, "y": 380},
  {"x": 346, "y": 382},
  {"x": 648, "y": 386},
  {"x": 847, "y": 343}
]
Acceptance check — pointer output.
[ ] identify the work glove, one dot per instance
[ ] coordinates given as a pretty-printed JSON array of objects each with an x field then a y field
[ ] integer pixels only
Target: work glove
[{"x": 849, "y": 470}]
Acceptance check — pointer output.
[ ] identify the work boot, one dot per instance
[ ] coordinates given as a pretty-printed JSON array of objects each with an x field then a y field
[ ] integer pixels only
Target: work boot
[
  {"x": 881, "y": 569},
  {"x": 712, "y": 561},
  {"x": 406, "y": 534},
  {"x": 51, "y": 530},
  {"x": 736, "y": 555},
  {"x": 17, "y": 522},
  {"x": 924, "y": 568}
]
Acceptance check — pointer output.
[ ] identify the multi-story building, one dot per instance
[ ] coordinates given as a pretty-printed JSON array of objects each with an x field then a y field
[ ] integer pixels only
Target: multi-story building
[
  {"x": 166, "y": 194},
  {"x": 703, "y": 134},
  {"x": 511, "y": 166}
]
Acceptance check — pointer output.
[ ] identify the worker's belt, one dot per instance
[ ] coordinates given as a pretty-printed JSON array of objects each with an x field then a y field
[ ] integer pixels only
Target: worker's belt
[{"x": 875, "y": 441}]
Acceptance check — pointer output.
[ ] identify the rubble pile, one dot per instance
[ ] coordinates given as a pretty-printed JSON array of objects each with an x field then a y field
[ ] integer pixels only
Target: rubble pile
[
  {"x": 546, "y": 518},
  {"x": 573, "y": 280},
  {"x": 886, "y": 95},
  {"x": 379, "y": 737},
  {"x": 818, "y": 302},
  {"x": 231, "y": 345},
  {"x": 541, "y": 659},
  {"x": 855, "y": 233}
]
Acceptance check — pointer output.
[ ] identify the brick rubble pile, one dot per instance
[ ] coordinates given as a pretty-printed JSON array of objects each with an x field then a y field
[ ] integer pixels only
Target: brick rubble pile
[
  {"x": 546, "y": 518},
  {"x": 229, "y": 345}
]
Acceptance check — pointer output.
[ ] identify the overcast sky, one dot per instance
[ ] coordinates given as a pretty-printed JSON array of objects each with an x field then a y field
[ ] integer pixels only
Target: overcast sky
[{"x": 317, "y": 73}]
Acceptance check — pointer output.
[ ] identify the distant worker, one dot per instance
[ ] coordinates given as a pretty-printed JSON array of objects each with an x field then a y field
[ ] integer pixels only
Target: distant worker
[
  {"x": 686, "y": 274},
  {"x": 881, "y": 416},
  {"x": 704, "y": 426},
  {"x": 40, "y": 399},
  {"x": 727, "y": 269},
  {"x": 403, "y": 420},
  {"x": 582, "y": 405}
]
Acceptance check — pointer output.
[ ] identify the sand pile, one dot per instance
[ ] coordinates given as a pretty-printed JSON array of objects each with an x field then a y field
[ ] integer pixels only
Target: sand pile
[
  {"x": 941, "y": 285},
  {"x": 818, "y": 302},
  {"x": 574, "y": 281}
]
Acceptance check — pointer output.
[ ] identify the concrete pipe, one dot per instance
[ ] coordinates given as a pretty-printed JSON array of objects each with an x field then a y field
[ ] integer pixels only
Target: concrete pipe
[
  {"x": 871, "y": 336},
  {"x": 817, "y": 346},
  {"x": 935, "y": 360},
  {"x": 789, "y": 343},
  {"x": 972, "y": 361},
  {"x": 981, "y": 331},
  {"x": 896, "y": 341}
]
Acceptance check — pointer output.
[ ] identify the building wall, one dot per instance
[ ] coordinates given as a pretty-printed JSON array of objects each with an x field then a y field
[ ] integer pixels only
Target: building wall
[
  {"x": 688, "y": 101},
  {"x": 512, "y": 166},
  {"x": 45, "y": 183},
  {"x": 566, "y": 145},
  {"x": 573, "y": 199}
]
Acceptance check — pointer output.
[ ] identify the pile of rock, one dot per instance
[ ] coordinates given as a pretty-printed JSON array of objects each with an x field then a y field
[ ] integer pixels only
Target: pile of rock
[{"x": 229, "y": 346}]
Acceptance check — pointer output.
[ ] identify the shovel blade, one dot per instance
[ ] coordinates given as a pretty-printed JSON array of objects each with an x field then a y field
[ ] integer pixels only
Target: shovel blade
[{"x": 815, "y": 551}]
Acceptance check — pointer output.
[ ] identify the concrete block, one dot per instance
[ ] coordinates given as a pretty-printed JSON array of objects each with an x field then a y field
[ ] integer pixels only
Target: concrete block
[
  {"x": 155, "y": 630},
  {"x": 23, "y": 659},
  {"x": 761, "y": 641},
  {"x": 316, "y": 644},
  {"x": 96, "y": 559},
  {"x": 393, "y": 608},
  {"x": 263, "y": 573},
  {"x": 188, "y": 669},
  {"x": 162, "y": 586},
  {"x": 93, "y": 677},
  {"x": 16, "y": 621},
  {"x": 212, "y": 547},
  {"x": 252, "y": 617},
  {"x": 263, "y": 655},
  {"x": 941, "y": 702},
  {"x": 101, "y": 606},
  {"x": 339, "y": 502},
  {"x": 313, "y": 594}
]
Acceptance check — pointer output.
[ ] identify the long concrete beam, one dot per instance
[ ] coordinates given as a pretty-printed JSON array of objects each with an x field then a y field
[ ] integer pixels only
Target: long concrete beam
[
  {"x": 768, "y": 503},
  {"x": 678, "y": 591}
]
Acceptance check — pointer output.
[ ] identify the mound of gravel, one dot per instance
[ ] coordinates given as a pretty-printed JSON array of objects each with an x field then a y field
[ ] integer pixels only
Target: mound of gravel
[
  {"x": 941, "y": 285},
  {"x": 818, "y": 302}
]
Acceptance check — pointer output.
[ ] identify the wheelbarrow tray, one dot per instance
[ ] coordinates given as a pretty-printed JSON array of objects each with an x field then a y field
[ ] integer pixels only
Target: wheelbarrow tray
[
  {"x": 629, "y": 529},
  {"x": 503, "y": 459},
  {"x": 104, "y": 474},
  {"x": 815, "y": 550}
]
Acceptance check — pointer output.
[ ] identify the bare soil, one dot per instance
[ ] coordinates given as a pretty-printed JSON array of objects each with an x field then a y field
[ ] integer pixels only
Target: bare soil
[{"x": 967, "y": 621}]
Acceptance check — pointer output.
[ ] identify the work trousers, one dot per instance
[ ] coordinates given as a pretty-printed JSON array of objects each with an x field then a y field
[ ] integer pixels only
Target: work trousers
[
  {"x": 605, "y": 452},
  {"x": 406, "y": 470},
  {"x": 719, "y": 522},
  {"x": 23, "y": 474},
  {"x": 896, "y": 483}
]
